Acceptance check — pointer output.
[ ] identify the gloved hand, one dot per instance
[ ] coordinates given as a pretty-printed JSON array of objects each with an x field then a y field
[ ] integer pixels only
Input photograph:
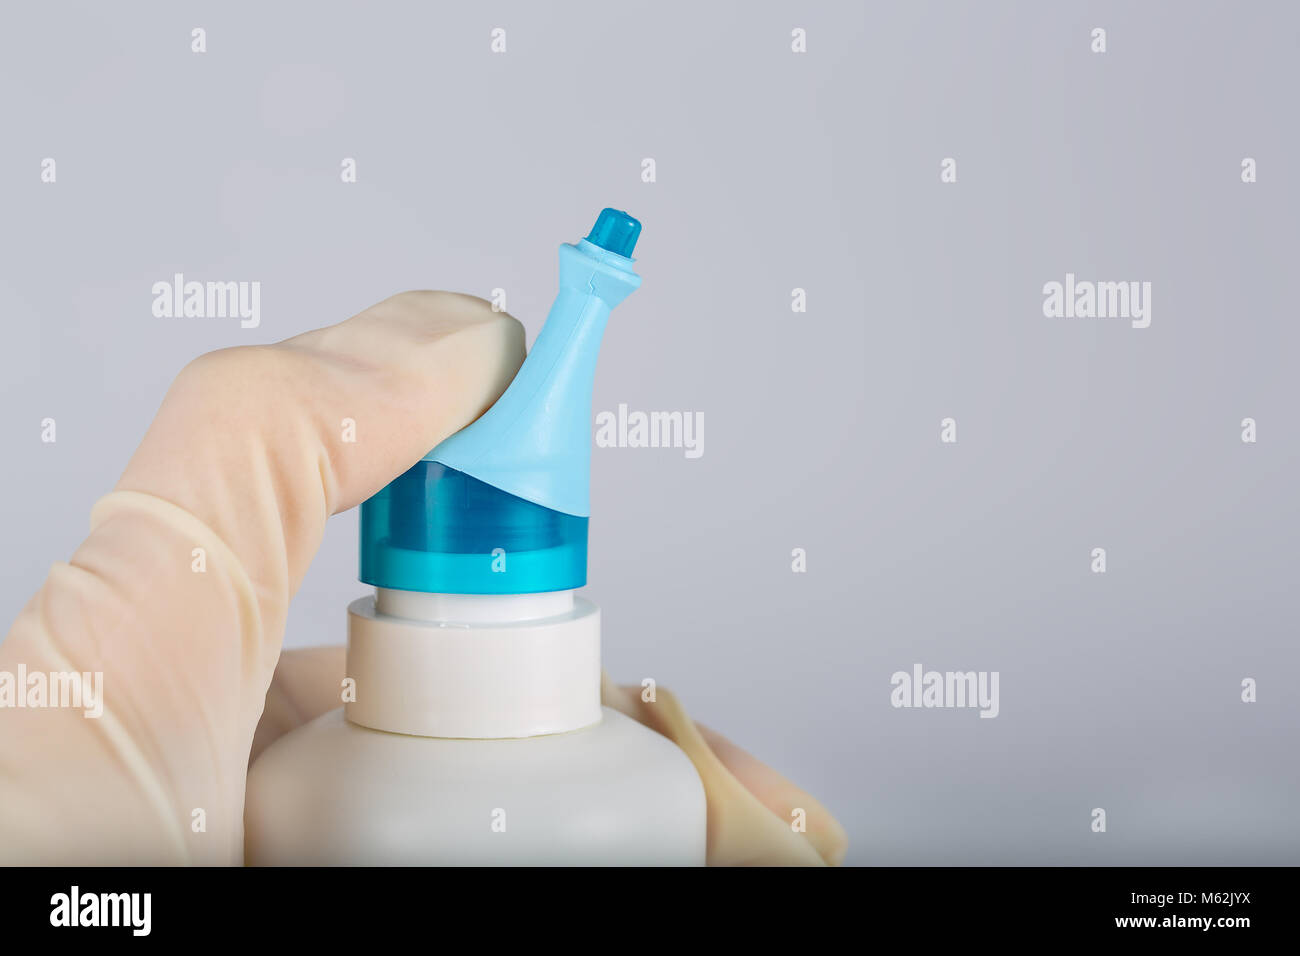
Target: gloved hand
[{"x": 179, "y": 597}]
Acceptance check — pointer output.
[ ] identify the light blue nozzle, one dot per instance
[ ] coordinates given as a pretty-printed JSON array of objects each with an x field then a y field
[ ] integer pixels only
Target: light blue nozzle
[{"x": 501, "y": 506}]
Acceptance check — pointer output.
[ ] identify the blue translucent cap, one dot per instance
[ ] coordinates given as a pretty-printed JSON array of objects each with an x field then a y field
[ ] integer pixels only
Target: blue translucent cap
[
  {"x": 501, "y": 506},
  {"x": 615, "y": 232}
]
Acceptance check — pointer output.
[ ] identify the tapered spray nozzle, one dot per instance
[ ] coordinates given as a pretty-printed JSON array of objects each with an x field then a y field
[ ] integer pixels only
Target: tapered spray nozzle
[{"x": 501, "y": 506}]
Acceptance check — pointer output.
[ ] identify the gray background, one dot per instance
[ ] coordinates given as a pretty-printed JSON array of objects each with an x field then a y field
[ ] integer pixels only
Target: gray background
[{"x": 775, "y": 170}]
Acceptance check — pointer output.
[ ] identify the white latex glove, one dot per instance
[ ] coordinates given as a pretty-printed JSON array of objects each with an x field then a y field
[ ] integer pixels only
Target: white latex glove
[{"x": 246, "y": 460}]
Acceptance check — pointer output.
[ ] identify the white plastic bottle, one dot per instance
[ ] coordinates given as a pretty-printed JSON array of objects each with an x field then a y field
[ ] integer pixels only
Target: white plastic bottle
[{"x": 474, "y": 732}]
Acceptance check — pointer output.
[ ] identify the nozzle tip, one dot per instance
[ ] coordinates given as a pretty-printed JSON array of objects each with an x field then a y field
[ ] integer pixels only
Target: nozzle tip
[{"x": 615, "y": 231}]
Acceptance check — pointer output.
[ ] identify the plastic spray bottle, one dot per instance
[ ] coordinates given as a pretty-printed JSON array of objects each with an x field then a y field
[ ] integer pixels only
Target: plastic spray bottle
[{"x": 474, "y": 733}]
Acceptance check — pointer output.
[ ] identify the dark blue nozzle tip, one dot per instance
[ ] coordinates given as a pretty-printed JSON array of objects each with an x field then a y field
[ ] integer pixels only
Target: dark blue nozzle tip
[{"x": 615, "y": 231}]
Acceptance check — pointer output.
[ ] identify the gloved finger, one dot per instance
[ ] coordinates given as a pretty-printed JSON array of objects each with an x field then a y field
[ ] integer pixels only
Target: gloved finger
[
  {"x": 178, "y": 596},
  {"x": 307, "y": 682},
  {"x": 756, "y": 816},
  {"x": 800, "y": 813},
  {"x": 318, "y": 423}
]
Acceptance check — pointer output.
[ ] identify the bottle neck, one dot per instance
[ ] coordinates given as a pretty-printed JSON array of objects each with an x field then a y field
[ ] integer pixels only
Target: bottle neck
[
  {"x": 473, "y": 666},
  {"x": 472, "y": 608}
]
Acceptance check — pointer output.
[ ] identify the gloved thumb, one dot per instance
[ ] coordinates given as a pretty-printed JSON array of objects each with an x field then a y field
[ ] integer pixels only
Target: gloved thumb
[{"x": 178, "y": 597}]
